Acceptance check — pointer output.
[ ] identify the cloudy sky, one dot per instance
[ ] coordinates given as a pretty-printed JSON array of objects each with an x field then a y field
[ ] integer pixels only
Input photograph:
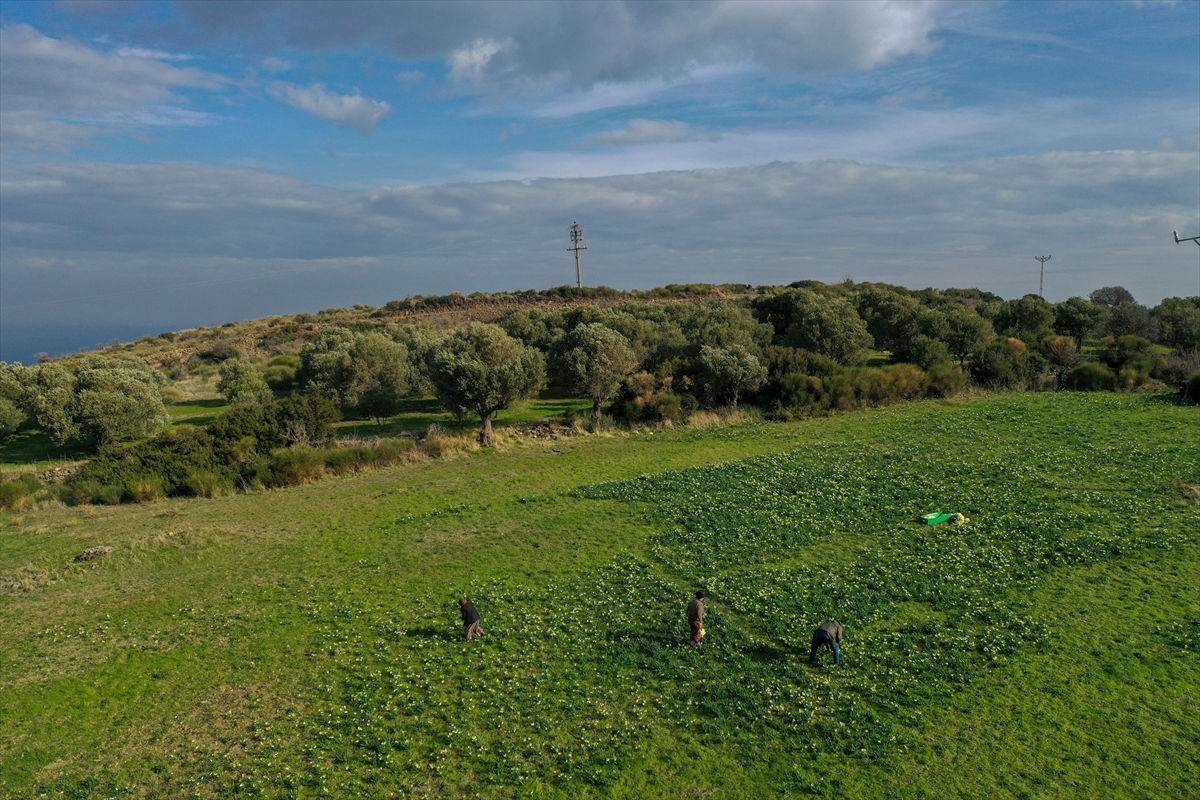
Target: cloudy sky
[{"x": 165, "y": 165}]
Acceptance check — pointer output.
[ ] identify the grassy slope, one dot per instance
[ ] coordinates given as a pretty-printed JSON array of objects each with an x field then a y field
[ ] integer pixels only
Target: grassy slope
[{"x": 256, "y": 643}]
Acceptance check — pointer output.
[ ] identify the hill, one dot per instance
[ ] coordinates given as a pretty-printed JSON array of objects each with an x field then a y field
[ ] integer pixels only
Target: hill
[
  {"x": 271, "y": 336},
  {"x": 305, "y": 642}
]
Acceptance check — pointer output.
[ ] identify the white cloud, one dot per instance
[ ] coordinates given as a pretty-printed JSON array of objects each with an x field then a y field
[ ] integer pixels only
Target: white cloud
[
  {"x": 467, "y": 64},
  {"x": 131, "y": 228},
  {"x": 643, "y": 131},
  {"x": 156, "y": 55},
  {"x": 410, "y": 78},
  {"x": 517, "y": 48},
  {"x": 344, "y": 109},
  {"x": 58, "y": 92}
]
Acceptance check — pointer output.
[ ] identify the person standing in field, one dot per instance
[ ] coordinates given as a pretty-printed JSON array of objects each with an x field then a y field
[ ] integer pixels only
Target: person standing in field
[
  {"x": 695, "y": 615},
  {"x": 828, "y": 636},
  {"x": 470, "y": 618}
]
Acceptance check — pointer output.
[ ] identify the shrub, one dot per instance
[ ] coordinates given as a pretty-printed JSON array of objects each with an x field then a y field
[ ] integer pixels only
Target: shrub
[
  {"x": 946, "y": 380},
  {"x": 294, "y": 467},
  {"x": 18, "y": 493},
  {"x": 280, "y": 374},
  {"x": 110, "y": 495},
  {"x": 645, "y": 398},
  {"x": 1092, "y": 377},
  {"x": 1006, "y": 365},
  {"x": 348, "y": 459},
  {"x": 393, "y": 451},
  {"x": 241, "y": 384},
  {"x": 1132, "y": 379},
  {"x": 208, "y": 483},
  {"x": 144, "y": 490}
]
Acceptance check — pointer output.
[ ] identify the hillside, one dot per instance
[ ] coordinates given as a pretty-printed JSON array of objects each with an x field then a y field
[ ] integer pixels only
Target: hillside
[
  {"x": 280, "y": 335},
  {"x": 305, "y": 642}
]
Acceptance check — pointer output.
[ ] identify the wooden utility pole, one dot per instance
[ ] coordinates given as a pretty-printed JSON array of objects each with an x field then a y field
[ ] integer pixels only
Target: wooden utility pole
[
  {"x": 576, "y": 240},
  {"x": 1042, "y": 278}
]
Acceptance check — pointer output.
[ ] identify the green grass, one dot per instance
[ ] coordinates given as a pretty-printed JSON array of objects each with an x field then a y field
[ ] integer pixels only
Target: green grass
[
  {"x": 32, "y": 449},
  {"x": 305, "y": 642},
  {"x": 418, "y": 413}
]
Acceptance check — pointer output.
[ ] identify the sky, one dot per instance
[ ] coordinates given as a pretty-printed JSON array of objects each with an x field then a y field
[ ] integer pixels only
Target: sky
[{"x": 169, "y": 165}]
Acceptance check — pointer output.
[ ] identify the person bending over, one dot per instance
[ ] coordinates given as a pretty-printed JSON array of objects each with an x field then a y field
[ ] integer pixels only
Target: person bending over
[
  {"x": 829, "y": 637},
  {"x": 695, "y": 615},
  {"x": 470, "y": 618}
]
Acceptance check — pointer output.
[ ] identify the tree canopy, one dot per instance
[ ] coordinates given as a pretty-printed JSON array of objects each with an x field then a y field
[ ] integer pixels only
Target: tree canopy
[
  {"x": 592, "y": 360},
  {"x": 482, "y": 370}
]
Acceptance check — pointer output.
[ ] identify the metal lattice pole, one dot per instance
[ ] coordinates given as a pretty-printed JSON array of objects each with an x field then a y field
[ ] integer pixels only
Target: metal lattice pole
[
  {"x": 1042, "y": 277},
  {"x": 576, "y": 245}
]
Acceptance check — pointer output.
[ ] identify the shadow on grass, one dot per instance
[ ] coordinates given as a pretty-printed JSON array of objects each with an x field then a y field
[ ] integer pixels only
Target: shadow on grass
[
  {"x": 29, "y": 445},
  {"x": 431, "y": 632}
]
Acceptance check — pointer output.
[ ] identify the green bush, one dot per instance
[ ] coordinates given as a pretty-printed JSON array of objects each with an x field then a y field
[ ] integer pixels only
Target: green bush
[
  {"x": 18, "y": 493},
  {"x": 162, "y": 466},
  {"x": 11, "y": 418},
  {"x": 645, "y": 398},
  {"x": 946, "y": 380},
  {"x": 1006, "y": 364},
  {"x": 294, "y": 467},
  {"x": 110, "y": 495},
  {"x": 349, "y": 459},
  {"x": 1092, "y": 377},
  {"x": 392, "y": 451},
  {"x": 144, "y": 490},
  {"x": 208, "y": 483}
]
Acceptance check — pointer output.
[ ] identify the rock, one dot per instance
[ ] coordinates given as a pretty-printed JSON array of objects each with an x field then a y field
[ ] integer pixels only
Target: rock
[{"x": 94, "y": 552}]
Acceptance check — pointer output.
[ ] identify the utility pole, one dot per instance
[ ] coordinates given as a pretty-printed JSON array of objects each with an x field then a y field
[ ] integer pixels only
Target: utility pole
[
  {"x": 1195, "y": 239},
  {"x": 576, "y": 239},
  {"x": 1042, "y": 279}
]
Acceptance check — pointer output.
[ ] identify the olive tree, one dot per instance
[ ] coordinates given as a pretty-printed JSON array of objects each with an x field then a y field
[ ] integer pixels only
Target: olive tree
[
  {"x": 727, "y": 372},
  {"x": 1179, "y": 322},
  {"x": 12, "y": 394},
  {"x": 241, "y": 383},
  {"x": 592, "y": 360},
  {"x": 1077, "y": 317},
  {"x": 344, "y": 366},
  {"x": 823, "y": 324},
  {"x": 49, "y": 399},
  {"x": 968, "y": 333},
  {"x": 118, "y": 399},
  {"x": 482, "y": 370}
]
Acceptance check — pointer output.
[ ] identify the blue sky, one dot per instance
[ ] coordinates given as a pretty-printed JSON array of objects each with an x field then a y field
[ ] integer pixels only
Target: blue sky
[{"x": 172, "y": 164}]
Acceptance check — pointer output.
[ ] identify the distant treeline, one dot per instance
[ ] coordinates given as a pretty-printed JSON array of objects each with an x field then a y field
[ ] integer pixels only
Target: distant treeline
[{"x": 794, "y": 351}]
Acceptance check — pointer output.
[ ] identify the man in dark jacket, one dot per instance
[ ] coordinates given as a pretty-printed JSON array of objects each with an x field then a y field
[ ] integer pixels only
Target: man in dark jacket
[
  {"x": 828, "y": 636},
  {"x": 695, "y": 614},
  {"x": 470, "y": 618}
]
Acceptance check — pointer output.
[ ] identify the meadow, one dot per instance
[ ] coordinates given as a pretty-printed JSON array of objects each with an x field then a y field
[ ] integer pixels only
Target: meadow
[{"x": 306, "y": 643}]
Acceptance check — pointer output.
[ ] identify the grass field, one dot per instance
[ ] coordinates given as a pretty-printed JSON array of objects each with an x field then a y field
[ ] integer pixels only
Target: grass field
[
  {"x": 305, "y": 642},
  {"x": 31, "y": 449}
]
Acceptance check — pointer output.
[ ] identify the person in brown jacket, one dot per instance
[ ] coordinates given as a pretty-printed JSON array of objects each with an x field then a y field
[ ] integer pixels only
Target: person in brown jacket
[
  {"x": 828, "y": 636},
  {"x": 695, "y": 614}
]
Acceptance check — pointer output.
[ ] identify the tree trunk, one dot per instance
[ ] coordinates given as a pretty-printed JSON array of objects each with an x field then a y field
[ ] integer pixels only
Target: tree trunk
[
  {"x": 595, "y": 414},
  {"x": 485, "y": 433}
]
